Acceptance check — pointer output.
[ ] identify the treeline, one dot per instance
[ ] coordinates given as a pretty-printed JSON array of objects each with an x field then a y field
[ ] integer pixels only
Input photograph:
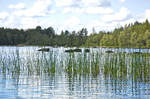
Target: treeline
[
  {"x": 135, "y": 35},
  {"x": 43, "y": 37}
]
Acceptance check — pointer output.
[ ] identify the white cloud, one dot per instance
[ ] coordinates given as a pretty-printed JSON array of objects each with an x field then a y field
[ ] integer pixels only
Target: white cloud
[
  {"x": 88, "y": 10},
  {"x": 123, "y": 23},
  {"x": 123, "y": 14},
  {"x": 82, "y": 3},
  {"x": 122, "y": 0},
  {"x": 18, "y": 6},
  {"x": 73, "y": 10},
  {"x": 90, "y": 2},
  {"x": 52, "y": 11},
  {"x": 109, "y": 19},
  {"x": 3, "y": 15},
  {"x": 62, "y": 3},
  {"x": 85, "y": 6},
  {"x": 147, "y": 14},
  {"x": 67, "y": 10},
  {"x": 143, "y": 16},
  {"x": 72, "y": 22},
  {"x": 11, "y": 22},
  {"x": 95, "y": 3},
  {"x": 39, "y": 8},
  {"x": 28, "y": 22},
  {"x": 28, "y": 17},
  {"x": 100, "y": 25},
  {"x": 98, "y": 10}
]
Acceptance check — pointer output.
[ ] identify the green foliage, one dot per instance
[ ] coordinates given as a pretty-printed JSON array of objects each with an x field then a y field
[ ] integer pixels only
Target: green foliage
[
  {"x": 135, "y": 35},
  {"x": 39, "y": 36},
  {"x": 93, "y": 40}
]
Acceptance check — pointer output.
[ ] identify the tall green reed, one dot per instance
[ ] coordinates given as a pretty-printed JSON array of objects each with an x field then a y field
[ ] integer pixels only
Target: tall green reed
[{"x": 118, "y": 65}]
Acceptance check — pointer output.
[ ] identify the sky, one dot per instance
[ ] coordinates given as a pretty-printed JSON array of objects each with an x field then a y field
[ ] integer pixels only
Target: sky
[{"x": 102, "y": 15}]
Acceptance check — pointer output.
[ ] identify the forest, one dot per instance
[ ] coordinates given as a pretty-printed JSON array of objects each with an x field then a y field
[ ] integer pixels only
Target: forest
[{"x": 133, "y": 35}]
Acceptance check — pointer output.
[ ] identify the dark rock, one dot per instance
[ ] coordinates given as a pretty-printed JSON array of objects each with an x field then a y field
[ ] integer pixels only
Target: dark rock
[
  {"x": 69, "y": 51},
  {"x": 73, "y": 50},
  {"x": 77, "y": 50},
  {"x": 86, "y": 50},
  {"x": 109, "y": 51},
  {"x": 137, "y": 52},
  {"x": 44, "y": 49},
  {"x": 95, "y": 47}
]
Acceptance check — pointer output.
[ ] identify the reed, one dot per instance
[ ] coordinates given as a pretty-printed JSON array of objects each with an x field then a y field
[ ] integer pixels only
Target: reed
[{"x": 117, "y": 65}]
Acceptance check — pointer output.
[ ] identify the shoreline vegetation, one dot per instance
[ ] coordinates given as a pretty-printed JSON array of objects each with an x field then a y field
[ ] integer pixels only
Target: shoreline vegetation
[
  {"x": 118, "y": 65},
  {"x": 134, "y": 35}
]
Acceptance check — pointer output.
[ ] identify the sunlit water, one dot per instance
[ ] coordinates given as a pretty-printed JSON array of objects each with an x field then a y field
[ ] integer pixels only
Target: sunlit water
[{"x": 30, "y": 82}]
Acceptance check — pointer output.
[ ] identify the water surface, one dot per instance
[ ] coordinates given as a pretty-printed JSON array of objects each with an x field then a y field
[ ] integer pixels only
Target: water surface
[{"x": 26, "y": 73}]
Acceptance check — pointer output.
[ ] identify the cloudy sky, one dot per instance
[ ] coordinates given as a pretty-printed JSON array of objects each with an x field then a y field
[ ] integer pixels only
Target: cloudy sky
[{"x": 72, "y": 14}]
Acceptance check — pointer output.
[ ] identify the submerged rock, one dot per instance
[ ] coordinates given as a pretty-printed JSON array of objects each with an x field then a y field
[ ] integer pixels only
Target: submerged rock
[{"x": 44, "y": 49}]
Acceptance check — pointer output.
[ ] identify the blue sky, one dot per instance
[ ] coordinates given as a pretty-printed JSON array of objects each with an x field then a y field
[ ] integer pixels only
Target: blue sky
[{"x": 72, "y": 14}]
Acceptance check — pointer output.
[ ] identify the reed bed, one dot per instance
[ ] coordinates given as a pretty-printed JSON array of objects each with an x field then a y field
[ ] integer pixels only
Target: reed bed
[{"x": 118, "y": 65}]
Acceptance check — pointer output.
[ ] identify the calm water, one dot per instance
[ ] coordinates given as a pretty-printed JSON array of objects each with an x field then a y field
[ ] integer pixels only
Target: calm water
[{"x": 26, "y": 73}]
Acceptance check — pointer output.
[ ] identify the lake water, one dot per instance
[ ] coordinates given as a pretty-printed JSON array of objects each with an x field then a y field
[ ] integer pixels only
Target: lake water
[{"x": 26, "y": 73}]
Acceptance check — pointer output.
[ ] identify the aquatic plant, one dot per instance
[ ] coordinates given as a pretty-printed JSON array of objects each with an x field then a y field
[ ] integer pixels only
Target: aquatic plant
[{"x": 117, "y": 65}]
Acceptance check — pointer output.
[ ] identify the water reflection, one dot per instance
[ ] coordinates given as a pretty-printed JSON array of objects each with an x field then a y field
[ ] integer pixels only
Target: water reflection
[{"x": 28, "y": 74}]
